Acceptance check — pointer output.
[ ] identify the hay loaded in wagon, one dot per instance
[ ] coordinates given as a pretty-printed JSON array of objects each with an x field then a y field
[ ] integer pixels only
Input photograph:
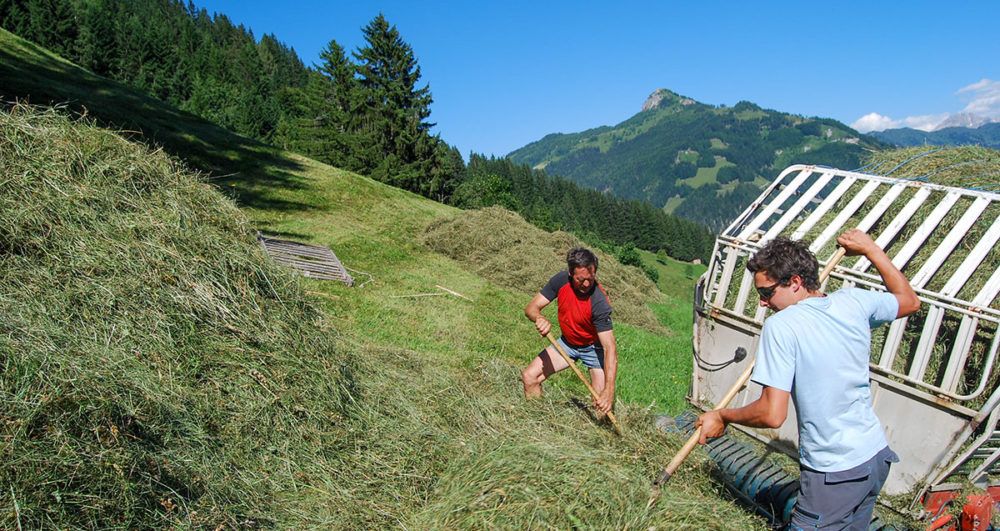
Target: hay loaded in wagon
[{"x": 934, "y": 382}]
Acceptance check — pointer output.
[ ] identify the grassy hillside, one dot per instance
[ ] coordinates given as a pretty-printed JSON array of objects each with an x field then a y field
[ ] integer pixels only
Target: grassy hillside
[
  {"x": 31, "y": 74},
  {"x": 160, "y": 371}
]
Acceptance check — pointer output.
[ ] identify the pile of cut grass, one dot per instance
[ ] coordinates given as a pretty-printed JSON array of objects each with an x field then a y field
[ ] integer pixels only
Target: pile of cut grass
[
  {"x": 448, "y": 448},
  {"x": 501, "y": 246},
  {"x": 157, "y": 368}
]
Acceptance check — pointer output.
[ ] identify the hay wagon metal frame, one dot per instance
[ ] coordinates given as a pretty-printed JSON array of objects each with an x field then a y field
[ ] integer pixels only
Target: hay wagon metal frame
[{"x": 940, "y": 416}]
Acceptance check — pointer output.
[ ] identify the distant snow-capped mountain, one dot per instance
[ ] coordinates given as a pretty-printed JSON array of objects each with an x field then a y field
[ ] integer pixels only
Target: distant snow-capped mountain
[{"x": 964, "y": 119}]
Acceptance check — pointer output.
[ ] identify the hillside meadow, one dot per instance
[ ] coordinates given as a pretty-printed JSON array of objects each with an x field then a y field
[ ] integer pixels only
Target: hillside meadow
[{"x": 161, "y": 371}]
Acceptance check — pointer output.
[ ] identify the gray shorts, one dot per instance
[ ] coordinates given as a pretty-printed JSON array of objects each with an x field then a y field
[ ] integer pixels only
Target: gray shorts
[
  {"x": 841, "y": 500},
  {"x": 592, "y": 355}
]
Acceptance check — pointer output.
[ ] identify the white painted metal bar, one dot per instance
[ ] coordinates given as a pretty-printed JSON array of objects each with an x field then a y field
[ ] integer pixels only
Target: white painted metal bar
[
  {"x": 824, "y": 207},
  {"x": 773, "y": 206},
  {"x": 731, "y": 229},
  {"x": 786, "y": 219},
  {"x": 880, "y": 208},
  {"x": 951, "y": 288},
  {"x": 834, "y": 228},
  {"x": 967, "y": 329},
  {"x": 896, "y": 225},
  {"x": 728, "y": 267},
  {"x": 799, "y": 206},
  {"x": 984, "y": 466},
  {"x": 925, "y": 229},
  {"x": 990, "y": 360},
  {"x": 895, "y": 334},
  {"x": 947, "y": 466},
  {"x": 918, "y": 367}
]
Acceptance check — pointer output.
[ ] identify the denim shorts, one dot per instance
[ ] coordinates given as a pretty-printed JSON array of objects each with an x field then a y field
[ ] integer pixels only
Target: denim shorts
[{"x": 591, "y": 355}]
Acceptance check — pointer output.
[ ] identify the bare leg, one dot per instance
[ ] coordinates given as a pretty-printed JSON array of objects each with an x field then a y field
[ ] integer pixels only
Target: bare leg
[
  {"x": 547, "y": 363},
  {"x": 597, "y": 382}
]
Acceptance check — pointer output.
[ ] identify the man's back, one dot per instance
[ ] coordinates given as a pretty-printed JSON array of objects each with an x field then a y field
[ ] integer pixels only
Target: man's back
[{"x": 818, "y": 349}]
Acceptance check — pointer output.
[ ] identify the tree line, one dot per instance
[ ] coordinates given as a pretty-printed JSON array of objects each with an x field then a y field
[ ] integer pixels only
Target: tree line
[
  {"x": 555, "y": 203},
  {"x": 363, "y": 110}
]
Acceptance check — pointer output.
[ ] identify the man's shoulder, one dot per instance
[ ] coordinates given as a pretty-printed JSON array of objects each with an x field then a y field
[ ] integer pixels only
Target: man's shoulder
[
  {"x": 600, "y": 296},
  {"x": 559, "y": 279},
  {"x": 556, "y": 283},
  {"x": 786, "y": 320}
]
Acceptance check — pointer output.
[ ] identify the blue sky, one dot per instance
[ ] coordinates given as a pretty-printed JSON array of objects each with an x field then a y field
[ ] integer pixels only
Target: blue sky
[{"x": 504, "y": 74}]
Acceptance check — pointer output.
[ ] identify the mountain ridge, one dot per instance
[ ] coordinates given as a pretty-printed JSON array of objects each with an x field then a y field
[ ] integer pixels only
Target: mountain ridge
[
  {"x": 712, "y": 160},
  {"x": 986, "y": 135}
]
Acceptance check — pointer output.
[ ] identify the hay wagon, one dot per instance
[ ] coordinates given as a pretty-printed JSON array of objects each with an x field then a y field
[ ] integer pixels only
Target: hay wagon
[{"x": 933, "y": 375}]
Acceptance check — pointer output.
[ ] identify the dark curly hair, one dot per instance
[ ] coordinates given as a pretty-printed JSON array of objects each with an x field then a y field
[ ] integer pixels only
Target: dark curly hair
[
  {"x": 782, "y": 259},
  {"x": 580, "y": 257}
]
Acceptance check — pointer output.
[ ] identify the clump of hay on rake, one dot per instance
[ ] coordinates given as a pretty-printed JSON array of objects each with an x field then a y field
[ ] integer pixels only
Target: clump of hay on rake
[{"x": 501, "y": 246}]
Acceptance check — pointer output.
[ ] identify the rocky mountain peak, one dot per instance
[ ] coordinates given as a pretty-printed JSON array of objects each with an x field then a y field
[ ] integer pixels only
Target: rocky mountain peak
[
  {"x": 654, "y": 99},
  {"x": 964, "y": 119}
]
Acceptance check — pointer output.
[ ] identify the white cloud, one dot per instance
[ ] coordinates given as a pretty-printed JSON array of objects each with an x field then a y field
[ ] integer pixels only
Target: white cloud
[
  {"x": 985, "y": 99},
  {"x": 874, "y": 121},
  {"x": 926, "y": 122}
]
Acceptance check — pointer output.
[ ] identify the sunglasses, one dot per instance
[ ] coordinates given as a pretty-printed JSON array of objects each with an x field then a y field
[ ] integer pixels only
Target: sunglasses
[{"x": 766, "y": 292}]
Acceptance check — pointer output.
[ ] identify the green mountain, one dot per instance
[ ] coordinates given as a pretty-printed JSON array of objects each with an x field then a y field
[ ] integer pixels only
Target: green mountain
[
  {"x": 987, "y": 135},
  {"x": 700, "y": 161}
]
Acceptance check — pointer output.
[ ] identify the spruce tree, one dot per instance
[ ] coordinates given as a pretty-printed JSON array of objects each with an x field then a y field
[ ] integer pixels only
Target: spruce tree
[
  {"x": 397, "y": 145},
  {"x": 327, "y": 126}
]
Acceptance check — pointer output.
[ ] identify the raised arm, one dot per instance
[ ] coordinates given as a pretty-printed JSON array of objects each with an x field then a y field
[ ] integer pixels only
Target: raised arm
[{"x": 856, "y": 242}]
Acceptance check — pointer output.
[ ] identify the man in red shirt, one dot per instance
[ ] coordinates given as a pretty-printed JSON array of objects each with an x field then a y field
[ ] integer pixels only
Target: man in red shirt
[{"x": 585, "y": 323}]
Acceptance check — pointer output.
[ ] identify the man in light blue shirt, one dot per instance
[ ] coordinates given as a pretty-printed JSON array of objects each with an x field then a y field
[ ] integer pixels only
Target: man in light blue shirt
[{"x": 815, "y": 349}]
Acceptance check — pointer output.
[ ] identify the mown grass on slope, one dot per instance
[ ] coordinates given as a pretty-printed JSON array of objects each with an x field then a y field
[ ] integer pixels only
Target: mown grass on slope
[
  {"x": 159, "y": 371},
  {"x": 502, "y": 247},
  {"x": 152, "y": 355},
  {"x": 442, "y": 421}
]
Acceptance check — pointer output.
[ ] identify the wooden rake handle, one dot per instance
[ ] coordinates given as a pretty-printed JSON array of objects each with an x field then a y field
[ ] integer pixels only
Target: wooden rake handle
[
  {"x": 611, "y": 416},
  {"x": 682, "y": 454}
]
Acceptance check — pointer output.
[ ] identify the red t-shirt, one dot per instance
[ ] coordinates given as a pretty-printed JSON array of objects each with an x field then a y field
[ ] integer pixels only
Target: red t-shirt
[{"x": 580, "y": 318}]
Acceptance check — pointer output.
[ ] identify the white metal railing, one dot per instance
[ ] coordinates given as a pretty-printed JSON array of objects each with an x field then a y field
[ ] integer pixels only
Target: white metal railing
[{"x": 820, "y": 203}]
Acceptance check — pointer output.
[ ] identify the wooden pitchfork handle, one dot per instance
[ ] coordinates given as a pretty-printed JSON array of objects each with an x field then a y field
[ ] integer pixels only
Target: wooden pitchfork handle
[
  {"x": 611, "y": 416},
  {"x": 728, "y": 397}
]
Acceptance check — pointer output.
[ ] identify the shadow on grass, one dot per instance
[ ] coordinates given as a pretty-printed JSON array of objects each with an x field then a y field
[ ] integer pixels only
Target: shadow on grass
[{"x": 245, "y": 168}]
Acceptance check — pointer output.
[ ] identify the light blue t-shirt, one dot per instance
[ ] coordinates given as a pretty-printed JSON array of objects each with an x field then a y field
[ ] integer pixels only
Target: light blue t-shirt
[{"x": 818, "y": 350}]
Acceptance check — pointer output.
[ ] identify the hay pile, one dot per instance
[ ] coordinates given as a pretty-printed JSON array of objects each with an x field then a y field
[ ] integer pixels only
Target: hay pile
[
  {"x": 963, "y": 166},
  {"x": 158, "y": 370},
  {"x": 501, "y": 246}
]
